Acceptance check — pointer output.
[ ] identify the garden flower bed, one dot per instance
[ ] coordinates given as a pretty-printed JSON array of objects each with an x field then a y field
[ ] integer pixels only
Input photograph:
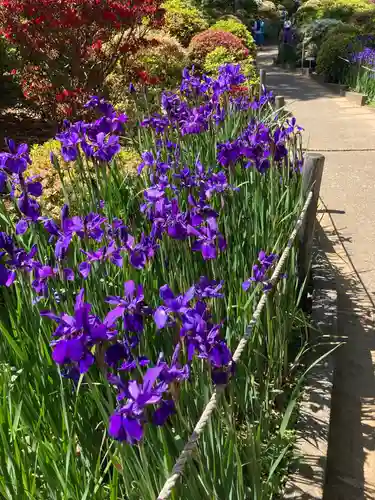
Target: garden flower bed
[{"x": 119, "y": 319}]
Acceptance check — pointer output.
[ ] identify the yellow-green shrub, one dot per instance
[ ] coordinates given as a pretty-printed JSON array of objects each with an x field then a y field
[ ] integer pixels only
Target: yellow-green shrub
[
  {"x": 128, "y": 161},
  {"x": 221, "y": 55},
  {"x": 344, "y": 10},
  {"x": 53, "y": 196},
  {"x": 239, "y": 30},
  {"x": 182, "y": 20},
  {"x": 164, "y": 59}
]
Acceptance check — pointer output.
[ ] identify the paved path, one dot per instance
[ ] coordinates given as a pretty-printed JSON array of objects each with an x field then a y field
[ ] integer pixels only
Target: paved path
[{"x": 348, "y": 239}]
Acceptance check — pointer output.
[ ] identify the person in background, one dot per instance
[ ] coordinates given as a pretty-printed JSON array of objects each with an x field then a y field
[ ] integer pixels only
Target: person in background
[
  {"x": 258, "y": 31},
  {"x": 261, "y": 38}
]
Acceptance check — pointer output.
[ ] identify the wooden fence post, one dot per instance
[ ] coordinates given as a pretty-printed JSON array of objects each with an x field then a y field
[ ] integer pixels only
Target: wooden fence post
[
  {"x": 279, "y": 102},
  {"x": 311, "y": 180},
  {"x": 262, "y": 83}
]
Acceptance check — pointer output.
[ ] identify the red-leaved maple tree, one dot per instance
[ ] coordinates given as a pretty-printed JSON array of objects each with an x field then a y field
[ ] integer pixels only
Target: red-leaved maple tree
[{"x": 68, "y": 47}]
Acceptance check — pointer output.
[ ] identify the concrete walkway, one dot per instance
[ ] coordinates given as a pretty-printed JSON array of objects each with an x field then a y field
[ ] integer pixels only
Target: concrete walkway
[{"x": 347, "y": 237}]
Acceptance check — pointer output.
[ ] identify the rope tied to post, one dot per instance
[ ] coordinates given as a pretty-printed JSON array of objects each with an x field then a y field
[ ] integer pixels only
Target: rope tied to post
[{"x": 190, "y": 446}]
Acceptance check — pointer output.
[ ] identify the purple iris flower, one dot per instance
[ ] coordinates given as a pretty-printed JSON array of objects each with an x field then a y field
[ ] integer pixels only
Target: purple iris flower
[
  {"x": 21, "y": 227},
  {"x": 172, "y": 304},
  {"x": 69, "y": 141},
  {"x": 121, "y": 352},
  {"x": 7, "y": 277},
  {"x": 142, "y": 252},
  {"x": 126, "y": 423},
  {"x": 106, "y": 147},
  {"x": 228, "y": 153},
  {"x": 16, "y": 258},
  {"x": 76, "y": 335},
  {"x": 194, "y": 85},
  {"x": 206, "y": 288},
  {"x": 29, "y": 207},
  {"x": 16, "y": 161},
  {"x": 209, "y": 240},
  {"x": 229, "y": 75},
  {"x": 41, "y": 275},
  {"x": 109, "y": 253},
  {"x": 165, "y": 410},
  {"x": 173, "y": 372},
  {"x": 260, "y": 271},
  {"x": 148, "y": 161},
  {"x": 131, "y": 308},
  {"x": 3, "y": 180},
  {"x": 124, "y": 427},
  {"x": 157, "y": 122}
]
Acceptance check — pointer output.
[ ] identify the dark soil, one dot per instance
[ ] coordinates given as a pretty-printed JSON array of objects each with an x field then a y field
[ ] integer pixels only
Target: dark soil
[{"x": 20, "y": 121}]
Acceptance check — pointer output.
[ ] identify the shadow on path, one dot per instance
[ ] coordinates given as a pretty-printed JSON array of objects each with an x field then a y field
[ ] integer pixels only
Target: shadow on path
[
  {"x": 291, "y": 85},
  {"x": 352, "y": 431}
]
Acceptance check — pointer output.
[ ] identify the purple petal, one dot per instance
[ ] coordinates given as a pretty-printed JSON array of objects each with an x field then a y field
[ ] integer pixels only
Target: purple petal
[
  {"x": 75, "y": 349},
  {"x": 21, "y": 227},
  {"x": 161, "y": 415},
  {"x": 246, "y": 285},
  {"x": 151, "y": 375},
  {"x": 129, "y": 288},
  {"x": 84, "y": 268},
  {"x": 35, "y": 188},
  {"x": 86, "y": 362},
  {"x": 166, "y": 293},
  {"x": 133, "y": 389},
  {"x": 189, "y": 295},
  {"x": 60, "y": 351},
  {"x": 115, "y": 427},
  {"x": 160, "y": 318},
  {"x": 50, "y": 315},
  {"x": 208, "y": 251},
  {"x": 133, "y": 429},
  {"x": 69, "y": 274},
  {"x": 113, "y": 315}
]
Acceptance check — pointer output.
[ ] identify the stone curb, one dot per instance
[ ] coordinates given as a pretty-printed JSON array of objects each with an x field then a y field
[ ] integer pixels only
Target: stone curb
[
  {"x": 308, "y": 480},
  {"x": 337, "y": 88},
  {"x": 355, "y": 97}
]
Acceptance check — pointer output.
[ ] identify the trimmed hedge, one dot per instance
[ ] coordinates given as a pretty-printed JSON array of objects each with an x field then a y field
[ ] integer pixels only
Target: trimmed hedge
[{"x": 238, "y": 29}]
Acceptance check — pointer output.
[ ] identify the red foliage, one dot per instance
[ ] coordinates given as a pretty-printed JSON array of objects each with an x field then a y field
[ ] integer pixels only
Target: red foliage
[
  {"x": 64, "y": 39},
  {"x": 207, "y": 41}
]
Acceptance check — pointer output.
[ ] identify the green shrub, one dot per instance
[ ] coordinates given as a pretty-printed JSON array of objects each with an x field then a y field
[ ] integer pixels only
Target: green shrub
[
  {"x": 239, "y": 30},
  {"x": 289, "y": 5},
  {"x": 338, "y": 43},
  {"x": 183, "y": 20},
  {"x": 207, "y": 41},
  {"x": 312, "y": 35}
]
